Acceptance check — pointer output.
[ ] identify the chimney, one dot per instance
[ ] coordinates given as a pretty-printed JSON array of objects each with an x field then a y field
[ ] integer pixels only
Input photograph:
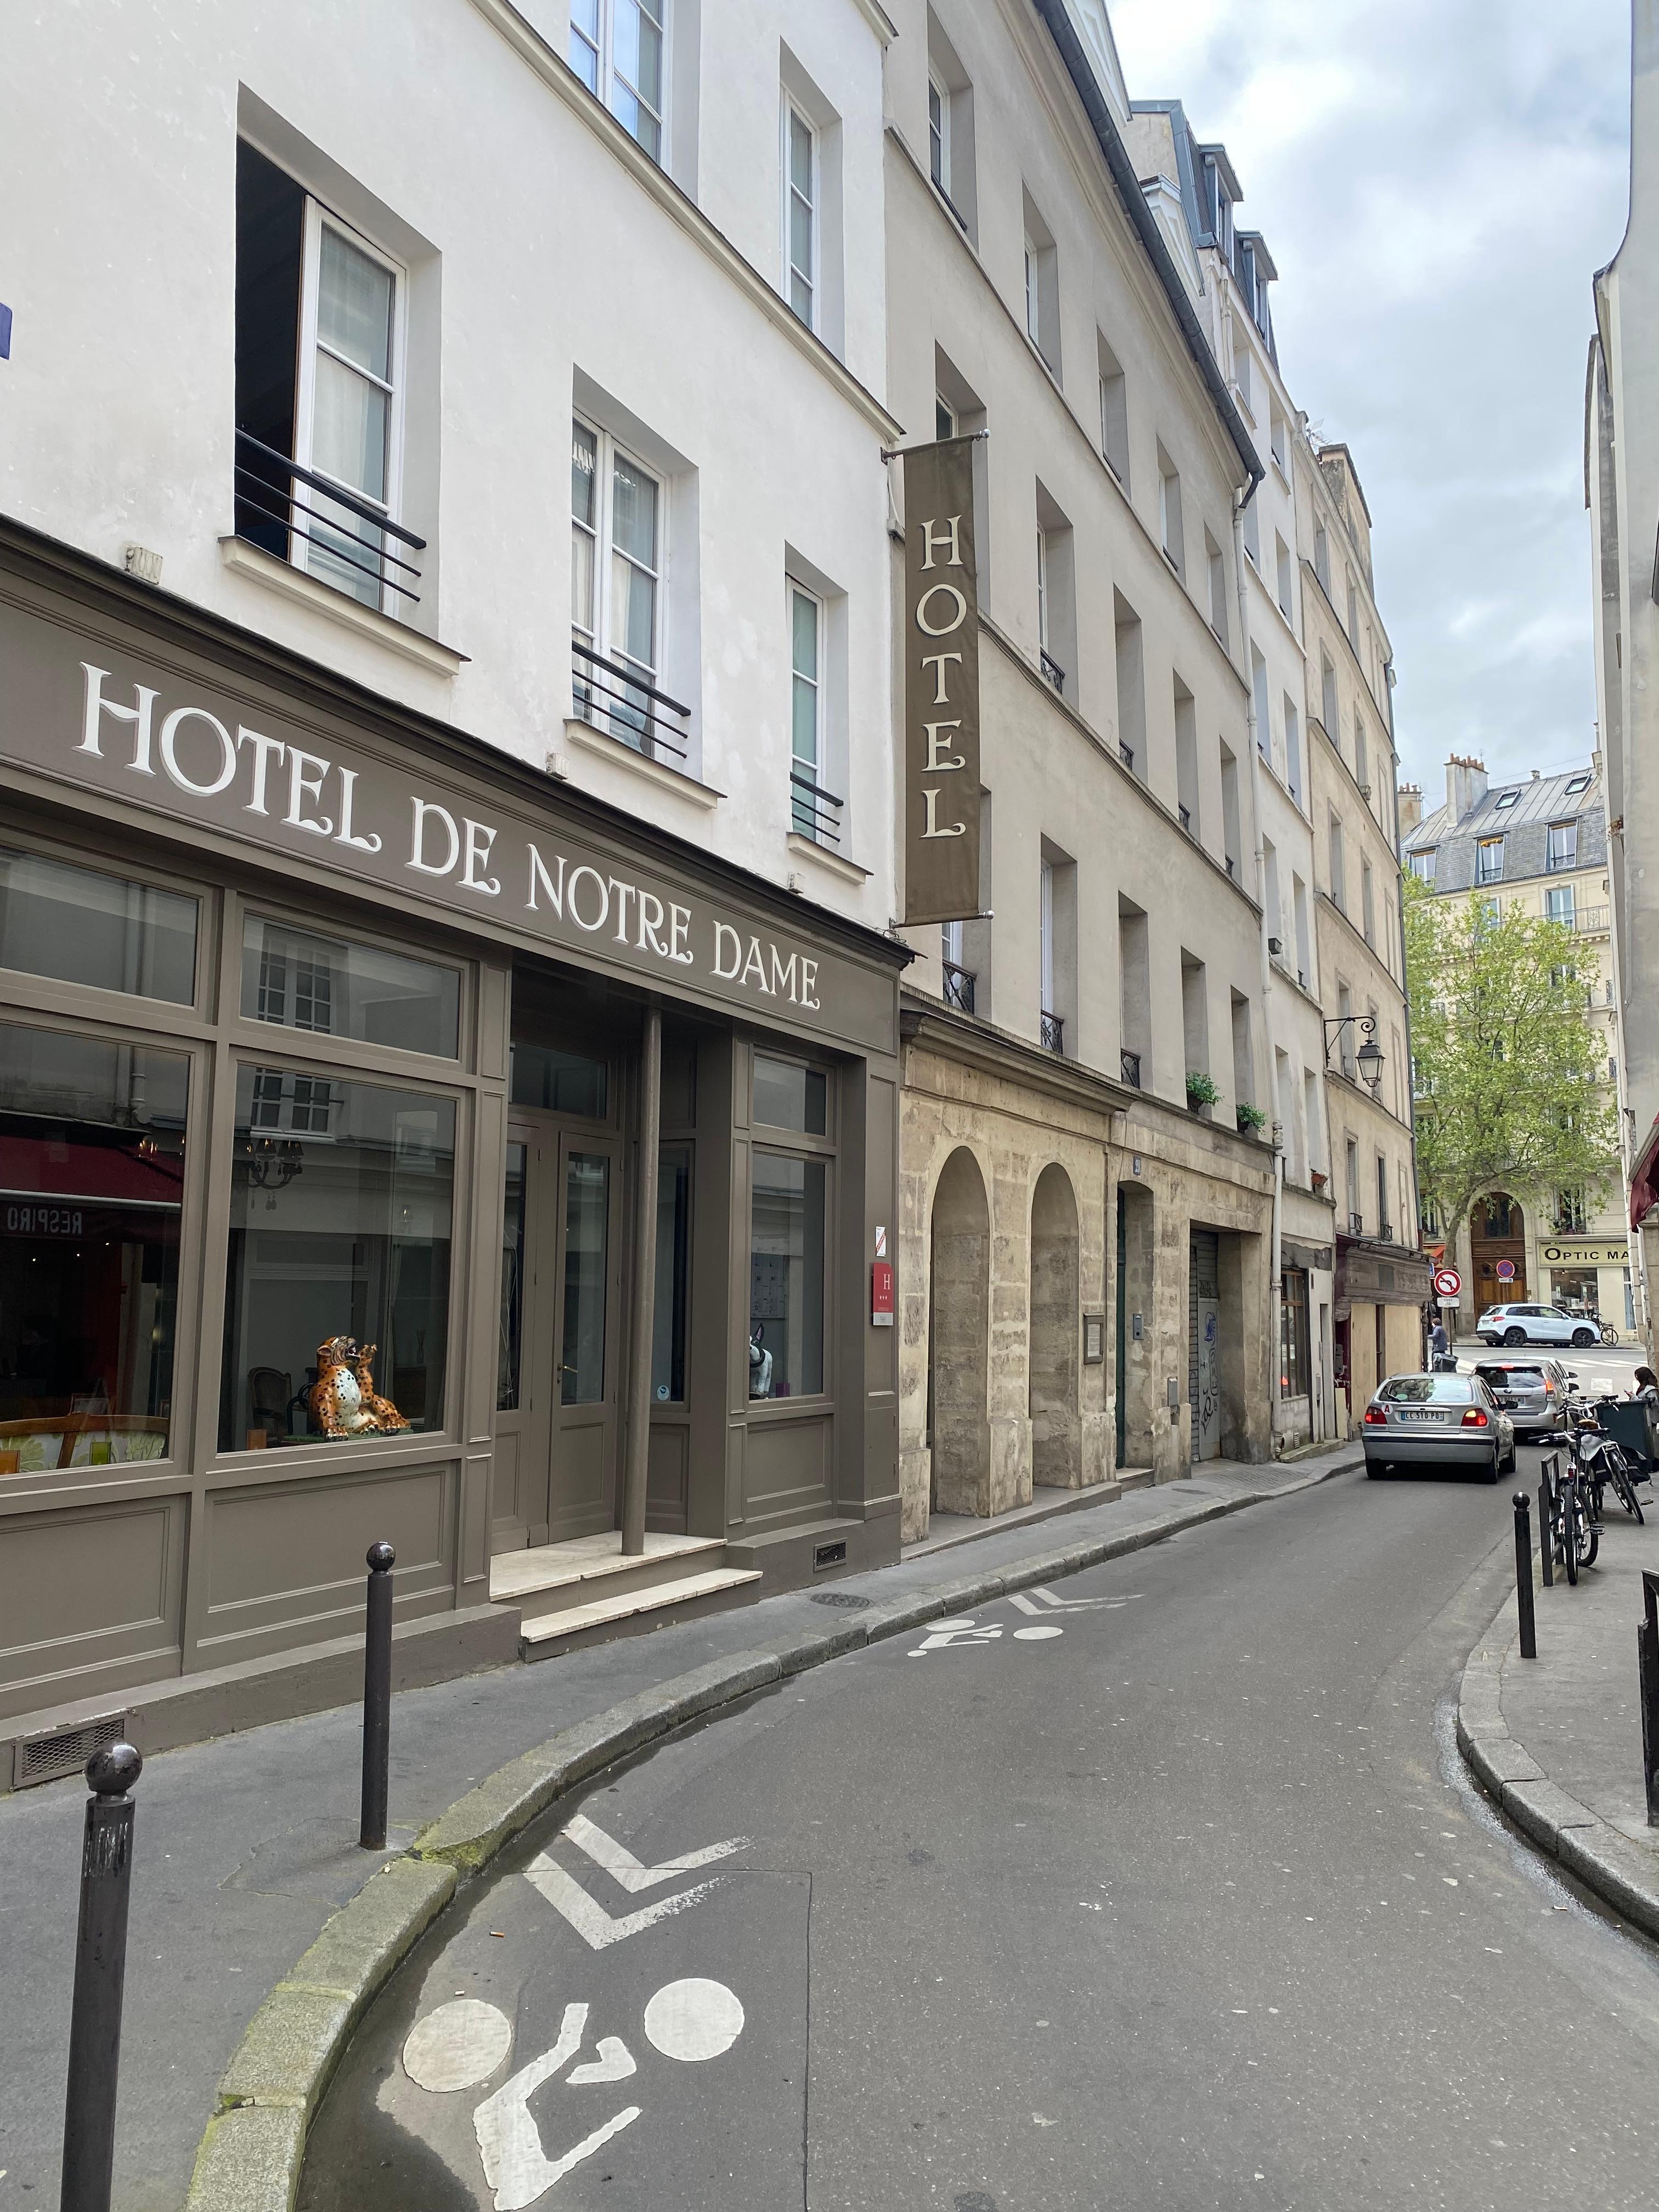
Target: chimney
[
  {"x": 1466, "y": 784},
  {"x": 1410, "y": 796}
]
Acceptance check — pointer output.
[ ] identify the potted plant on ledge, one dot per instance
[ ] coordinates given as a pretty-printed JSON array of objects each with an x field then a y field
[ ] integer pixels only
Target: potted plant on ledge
[
  {"x": 1202, "y": 1089},
  {"x": 1251, "y": 1119}
]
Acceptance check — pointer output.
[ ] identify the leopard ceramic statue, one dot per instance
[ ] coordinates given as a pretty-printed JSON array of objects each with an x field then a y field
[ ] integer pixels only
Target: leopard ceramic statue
[
  {"x": 384, "y": 1416},
  {"x": 335, "y": 1398}
]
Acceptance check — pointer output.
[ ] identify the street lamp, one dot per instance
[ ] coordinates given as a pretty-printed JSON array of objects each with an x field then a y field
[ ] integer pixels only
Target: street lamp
[{"x": 1371, "y": 1054}]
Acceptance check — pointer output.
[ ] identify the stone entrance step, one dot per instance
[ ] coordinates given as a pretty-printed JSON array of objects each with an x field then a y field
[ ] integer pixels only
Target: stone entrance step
[
  {"x": 585, "y": 1591},
  {"x": 630, "y": 1612},
  {"x": 552, "y": 1577}
]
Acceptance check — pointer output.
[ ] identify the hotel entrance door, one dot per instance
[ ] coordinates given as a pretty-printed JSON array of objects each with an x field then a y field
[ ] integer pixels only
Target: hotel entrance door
[{"x": 556, "y": 1429}]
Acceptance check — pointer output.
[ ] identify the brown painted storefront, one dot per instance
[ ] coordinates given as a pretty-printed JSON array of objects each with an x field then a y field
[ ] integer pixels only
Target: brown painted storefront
[{"x": 319, "y": 1020}]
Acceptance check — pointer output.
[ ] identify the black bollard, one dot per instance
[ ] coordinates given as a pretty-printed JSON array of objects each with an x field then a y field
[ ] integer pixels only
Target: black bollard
[
  {"x": 100, "y": 1966},
  {"x": 1523, "y": 1572},
  {"x": 1545, "y": 1526},
  {"x": 1647, "y": 1674},
  {"x": 377, "y": 1699}
]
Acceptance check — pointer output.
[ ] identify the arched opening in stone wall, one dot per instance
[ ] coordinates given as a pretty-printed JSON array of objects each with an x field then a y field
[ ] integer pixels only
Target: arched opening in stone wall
[
  {"x": 958, "y": 1339},
  {"x": 1056, "y": 1437}
]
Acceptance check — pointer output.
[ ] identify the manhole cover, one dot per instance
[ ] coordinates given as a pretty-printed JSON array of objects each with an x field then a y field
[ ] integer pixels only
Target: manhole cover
[
  {"x": 843, "y": 1598},
  {"x": 975, "y": 2200}
]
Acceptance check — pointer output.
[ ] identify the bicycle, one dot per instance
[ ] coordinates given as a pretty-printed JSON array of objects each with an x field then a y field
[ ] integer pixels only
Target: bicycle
[
  {"x": 1574, "y": 1534},
  {"x": 1605, "y": 1463},
  {"x": 1609, "y": 1334}
]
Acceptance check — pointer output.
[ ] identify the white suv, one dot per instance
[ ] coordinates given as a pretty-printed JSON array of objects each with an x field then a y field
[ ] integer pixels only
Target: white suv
[{"x": 1533, "y": 1325}]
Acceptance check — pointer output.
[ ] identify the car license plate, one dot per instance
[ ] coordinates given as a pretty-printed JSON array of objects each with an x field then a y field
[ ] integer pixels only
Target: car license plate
[{"x": 1413, "y": 1413}]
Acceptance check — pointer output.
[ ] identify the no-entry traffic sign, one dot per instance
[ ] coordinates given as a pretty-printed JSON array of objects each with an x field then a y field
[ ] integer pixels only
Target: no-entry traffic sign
[{"x": 1446, "y": 1282}]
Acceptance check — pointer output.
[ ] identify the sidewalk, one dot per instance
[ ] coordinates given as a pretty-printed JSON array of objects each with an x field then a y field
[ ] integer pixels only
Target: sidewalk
[
  {"x": 245, "y": 1846},
  {"x": 1557, "y": 1741}
]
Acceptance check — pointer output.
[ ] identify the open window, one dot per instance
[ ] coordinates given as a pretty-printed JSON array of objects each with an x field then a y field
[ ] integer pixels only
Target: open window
[{"x": 321, "y": 379}]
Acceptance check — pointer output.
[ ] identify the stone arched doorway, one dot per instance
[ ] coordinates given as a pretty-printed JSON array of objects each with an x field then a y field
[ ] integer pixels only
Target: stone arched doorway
[
  {"x": 1497, "y": 1233},
  {"x": 1056, "y": 1435},
  {"x": 958, "y": 1341}
]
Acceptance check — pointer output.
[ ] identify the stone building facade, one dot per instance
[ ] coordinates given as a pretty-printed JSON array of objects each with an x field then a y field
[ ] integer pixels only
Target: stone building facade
[
  {"x": 1382, "y": 1285},
  {"x": 1539, "y": 844},
  {"x": 1084, "y": 1253}
]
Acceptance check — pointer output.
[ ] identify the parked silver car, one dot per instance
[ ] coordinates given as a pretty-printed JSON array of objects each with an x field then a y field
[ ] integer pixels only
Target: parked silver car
[
  {"x": 1537, "y": 1390},
  {"x": 1532, "y": 1324},
  {"x": 1446, "y": 1421}
]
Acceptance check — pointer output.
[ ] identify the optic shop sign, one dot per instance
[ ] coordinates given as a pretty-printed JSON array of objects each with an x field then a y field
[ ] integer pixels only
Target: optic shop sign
[{"x": 187, "y": 750}]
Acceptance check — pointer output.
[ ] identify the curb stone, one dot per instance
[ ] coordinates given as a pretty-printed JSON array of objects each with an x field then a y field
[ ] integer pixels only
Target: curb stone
[
  {"x": 253, "y": 2151},
  {"x": 1623, "y": 1872}
]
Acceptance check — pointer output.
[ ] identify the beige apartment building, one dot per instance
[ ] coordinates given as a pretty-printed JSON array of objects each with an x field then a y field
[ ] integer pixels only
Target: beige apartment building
[
  {"x": 1621, "y": 490},
  {"x": 1382, "y": 1282},
  {"x": 1540, "y": 846},
  {"x": 1083, "y": 1238}
]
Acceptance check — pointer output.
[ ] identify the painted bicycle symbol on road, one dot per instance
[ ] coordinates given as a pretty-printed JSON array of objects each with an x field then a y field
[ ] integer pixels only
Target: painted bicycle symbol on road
[{"x": 460, "y": 2045}]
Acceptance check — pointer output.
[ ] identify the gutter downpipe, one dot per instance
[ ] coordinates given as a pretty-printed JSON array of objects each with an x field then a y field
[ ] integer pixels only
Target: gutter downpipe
[{"x": 1241, "y": 498}]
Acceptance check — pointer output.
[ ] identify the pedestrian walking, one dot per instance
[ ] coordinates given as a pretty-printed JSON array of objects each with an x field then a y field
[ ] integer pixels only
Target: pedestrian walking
[{"x": 1440, "y": 1358}]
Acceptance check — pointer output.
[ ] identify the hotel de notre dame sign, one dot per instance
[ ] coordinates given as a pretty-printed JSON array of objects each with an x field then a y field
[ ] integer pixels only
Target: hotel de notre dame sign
[
  {"x": 941, "y": 684},
  {"x": 87, "y": 713}
]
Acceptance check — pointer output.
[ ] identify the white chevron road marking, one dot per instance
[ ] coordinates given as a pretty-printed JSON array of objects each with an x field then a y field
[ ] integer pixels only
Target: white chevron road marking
[
  {"x": 619, "y": 1862},
  {"x": 589, "y": 1918},
  {"x": 1053, "y": 1604}
]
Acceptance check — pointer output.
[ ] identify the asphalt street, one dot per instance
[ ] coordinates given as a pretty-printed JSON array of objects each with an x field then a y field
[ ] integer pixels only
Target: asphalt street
[{"x": 1170, "y": 1894}]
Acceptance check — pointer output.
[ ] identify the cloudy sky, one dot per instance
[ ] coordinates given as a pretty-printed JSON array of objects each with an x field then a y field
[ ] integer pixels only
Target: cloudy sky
[{"x": 1437, "y": 180}]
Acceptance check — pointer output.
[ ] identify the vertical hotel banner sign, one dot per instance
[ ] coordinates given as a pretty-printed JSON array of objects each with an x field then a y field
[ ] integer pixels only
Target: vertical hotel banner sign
[{"x": 941, "y": 684}]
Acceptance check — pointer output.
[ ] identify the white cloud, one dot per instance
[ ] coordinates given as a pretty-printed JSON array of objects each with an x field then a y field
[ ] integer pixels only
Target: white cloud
[{"x": 1436, "y": 180}]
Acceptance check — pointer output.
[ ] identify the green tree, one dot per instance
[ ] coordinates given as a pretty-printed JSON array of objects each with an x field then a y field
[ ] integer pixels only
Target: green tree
[{"x": 1507, "y": 1080}]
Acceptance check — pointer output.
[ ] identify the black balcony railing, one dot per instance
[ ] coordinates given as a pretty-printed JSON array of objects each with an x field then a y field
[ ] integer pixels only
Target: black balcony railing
[
  {"x": 617, "y": 698},
  {"x": 1130, "y": 1062},
  {"x": 1356, "y": 1225},
  {"x": 814, "y": 812},
  {"x": 1385, "y": 1231},
  {"x": 346, "y": 536},
  {"x": 959, "y": 988},
  {"x": 1052, "y": 672},
  {"x": 1053, "y": 1031}
]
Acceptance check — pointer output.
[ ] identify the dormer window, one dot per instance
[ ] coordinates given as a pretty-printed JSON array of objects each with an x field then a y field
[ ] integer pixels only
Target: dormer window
[
  {"x": 1506, "y": 798},
  {"x": 1576, "y": 784}
]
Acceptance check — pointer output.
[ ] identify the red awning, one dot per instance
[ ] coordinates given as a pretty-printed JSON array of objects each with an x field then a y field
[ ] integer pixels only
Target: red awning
[
  {"x": 42, "y": 1167},
  {"x": 1644, "y": 1180}
]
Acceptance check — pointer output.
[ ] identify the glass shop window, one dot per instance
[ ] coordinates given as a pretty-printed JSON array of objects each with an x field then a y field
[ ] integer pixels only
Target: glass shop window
[
  {"x": 673, "y": 1256},
  {"x": 80, "y": 925},
  {"x": 787, "y": 1097},
  {"x": 92, "y": 1156},
  {"x": 337, "y": 1295},
  {"x": 559, "y": 1082},
  {"x": 786, "y": 1277},
  {"x": 1294, "y": 1346},
  {"x": 509, "y": 1347},
  {"x": 330, "y": 988}
]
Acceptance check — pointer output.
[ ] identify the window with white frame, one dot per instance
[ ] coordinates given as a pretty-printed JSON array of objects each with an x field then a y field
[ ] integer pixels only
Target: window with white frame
[
  {"x": 1489, "y": 861},
  {"x": 616, "y": 50},
  {"x": 1170, "y": 530},
  {"x": 944, "y": 417},
  {"x": 616, "y": 517},
  {"x": 1282, "y": 574},
  {"x": 1041, "y": 286},
  {"x": 807, "y": 797},
  {"x": 800, "y": 214},
  {"x": 320, "y": 315},
  {"x": 938, "y": 134},
  {"x": 1562, "y": 847}
]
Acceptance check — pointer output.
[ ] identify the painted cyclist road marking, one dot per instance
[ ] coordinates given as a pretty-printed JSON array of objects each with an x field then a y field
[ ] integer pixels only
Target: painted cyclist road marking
[
  {"x": 598, "y": 1928},
  {"x": 459, "y": 2045},
  {"x": 954, "y": 1635},
  {"x": 970, "y": 1633}
]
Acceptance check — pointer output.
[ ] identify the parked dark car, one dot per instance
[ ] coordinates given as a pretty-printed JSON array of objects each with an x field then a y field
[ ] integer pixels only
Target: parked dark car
[{"x": 1437, "y": 1420}]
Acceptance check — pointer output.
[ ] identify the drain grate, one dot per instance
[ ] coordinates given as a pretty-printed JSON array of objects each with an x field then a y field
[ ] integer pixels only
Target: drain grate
[
  {"x": 844, "y": 1598},
  {"x": 49, "y": 1758}
]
